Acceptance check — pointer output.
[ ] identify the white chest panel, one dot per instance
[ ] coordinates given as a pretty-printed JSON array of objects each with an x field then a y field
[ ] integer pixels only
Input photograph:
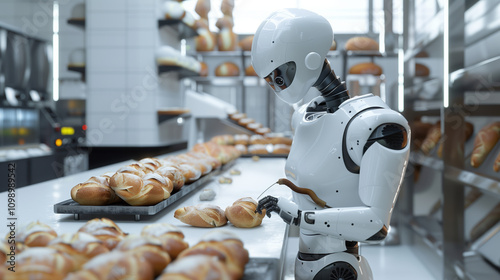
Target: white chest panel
[{"x": 316, "y": 160}]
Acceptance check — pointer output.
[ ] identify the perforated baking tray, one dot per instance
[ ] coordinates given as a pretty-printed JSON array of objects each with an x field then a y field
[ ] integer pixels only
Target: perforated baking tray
[{"x": 71, "y": 207}]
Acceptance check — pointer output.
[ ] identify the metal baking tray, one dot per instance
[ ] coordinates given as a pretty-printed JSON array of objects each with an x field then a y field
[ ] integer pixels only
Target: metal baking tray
[
  {"x": 261, "y": 269},
  {"x": 71, "y": 207}
]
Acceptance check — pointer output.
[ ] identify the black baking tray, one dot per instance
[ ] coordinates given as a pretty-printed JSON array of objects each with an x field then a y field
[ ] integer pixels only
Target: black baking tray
[
  {"x": 72, "y": 207},
  {"x": 262, "y": 269}
]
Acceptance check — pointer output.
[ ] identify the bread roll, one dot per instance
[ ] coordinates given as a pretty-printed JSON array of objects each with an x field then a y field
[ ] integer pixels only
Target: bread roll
[
  {"x": 115, "y": 265},
  {"x": 227, "y": 7},
  {"x": 421, "y": 70},
  {"x": 80, "y": 246},
  {"x": 212, "y": 149},
  {"x": 360, "y": 43},
  {"x": 206, "y": 40},
  {"x": 94, "y": 191},
  {"x": 246, "y": 121},
  {"x": 258, "y": 140},
  {"x": 173, "y": 10},
  {"x": 41, "y": 263},
  {"x": 432, "y": 138},
  {"x": 105, "y": 230},
  {"x": 227, "y": 69},
  {"x": 281, "y": 149},
  {"x": 263, "y": 130},
  {"x": 226, "y": 247},
  {"x": 134, "y": 190},
  {"x": 246, "y": 43},
  {"x": 204, "y": 69},
  {"x": 170, "y": 236},
  {"x": 202, "y": 8},
  {"x": 35, "y": 234},
  {"x": 257, "y": 149},
  {"x": 484, "y": 142},
  {"x": 278, "y": 138},
  {"x": 174, "y": 173},
  {"x": 225, "y": 139},
  {"x": 196, "y": 267},
  {"x": 147, "y": 247},
  {"x": 241, "y": 139},
  {"x": 250, "y": 71},
  {"x": 242, "y": 148},
  {"x": 201, "y": 215},
  {"x": 243, "y": 214},
  {"x": 367, "y": 68},
  {"x": 151, "y": 163}
]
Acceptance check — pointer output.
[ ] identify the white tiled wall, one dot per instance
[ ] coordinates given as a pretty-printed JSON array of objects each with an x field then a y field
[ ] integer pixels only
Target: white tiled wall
[{"x": 122, "y": 80}]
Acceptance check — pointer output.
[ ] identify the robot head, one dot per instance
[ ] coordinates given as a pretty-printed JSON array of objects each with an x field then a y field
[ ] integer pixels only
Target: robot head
[{"x": 289, "y": 49}]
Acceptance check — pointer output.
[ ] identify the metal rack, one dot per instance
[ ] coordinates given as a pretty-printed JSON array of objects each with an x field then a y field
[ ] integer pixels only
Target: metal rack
[{"x": 442, "y": 243}]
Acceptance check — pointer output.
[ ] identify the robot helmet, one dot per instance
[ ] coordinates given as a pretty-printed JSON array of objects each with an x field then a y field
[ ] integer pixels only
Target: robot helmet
[{"x": 289, "y": 49}]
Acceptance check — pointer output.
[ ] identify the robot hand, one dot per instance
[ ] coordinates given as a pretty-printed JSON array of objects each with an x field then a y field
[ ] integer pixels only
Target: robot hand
[{"x": 287, "y": 210}]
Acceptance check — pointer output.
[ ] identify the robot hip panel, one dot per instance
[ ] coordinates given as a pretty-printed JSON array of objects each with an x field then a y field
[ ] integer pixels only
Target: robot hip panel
[
  {"x": 334, "y": 266},
  {"x": 311, "y": 242}
]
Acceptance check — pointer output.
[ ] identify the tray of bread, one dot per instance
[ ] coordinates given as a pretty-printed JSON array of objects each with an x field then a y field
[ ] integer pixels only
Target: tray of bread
[
  {"x": 147, "y": 186},
  {"x": 267, "y": 145},
  {"x": 101, "y": 249}
]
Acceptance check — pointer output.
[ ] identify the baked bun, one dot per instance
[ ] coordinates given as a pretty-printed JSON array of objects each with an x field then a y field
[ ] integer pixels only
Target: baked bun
[
  {"x": 263, "y": 130},
  {"x": 246, "y": 121},
  {"x": 148, "y": 248},
  {"x": 281, "y": 149},
  {"x": 148, "y": 190},
  {"x": 278, "y": 138},
  {"x": 202, "y": 8},
  {"x": 173, "y": 10},
  {"x": 421, "y": 70},
  {"x": 196, "y": 267},
  {"x": 35, "y": 234},
  {"x": 204, "y": 69},
  {"x": 242, "y": 148},
  {"x": 201, "y": 215},
  {"x": 360, "y": 43},
  {"x": 41, "y": 263},
  {"x": 80, "y": 246},
  {"x": 241, "y": 139},
  {"x": 366, "y": 68},
  {"x": 243, "y": 214},
  {"x": 170, "y": 236},
  {"x": 227, "y": 69},
  {"x": 105, "y": 230},
  {"x": 250, "y": 71},
  {"x": 257, "y": 149},
  {"x": 116, "y": 265},
  {"x": 206, "y": 40},
  {"x": 246, "y": 43},
  {"x": 333, "y": 47},
  {"x": 94, "y": 191},
  {"x": 258, "y": 139},
  {"x": 227, "y": 7}
]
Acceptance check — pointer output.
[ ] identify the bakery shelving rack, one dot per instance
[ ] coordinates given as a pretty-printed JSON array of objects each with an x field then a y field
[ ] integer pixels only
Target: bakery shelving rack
[
  {"x": 184, "y": 31},
  {"x": 442, "y": 243}
]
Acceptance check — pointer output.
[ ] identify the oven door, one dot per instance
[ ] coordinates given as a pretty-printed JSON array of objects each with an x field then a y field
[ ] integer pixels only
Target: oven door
[{"x": 40, "y": 75}]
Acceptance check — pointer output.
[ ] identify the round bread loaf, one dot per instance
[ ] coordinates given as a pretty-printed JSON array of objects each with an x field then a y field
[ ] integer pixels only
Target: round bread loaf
[
  {"x": 366, "y": 68},
  {"x": 421, "y": 70},
  {"x": 246, "y": 43},
  {"x": 227, "y": 69},
  {"x": 242, "y": 213},
  {"x": 360, "y": 43}
]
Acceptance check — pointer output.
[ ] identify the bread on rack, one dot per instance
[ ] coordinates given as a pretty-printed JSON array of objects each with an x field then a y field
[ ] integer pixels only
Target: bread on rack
[
  {"x": 225, "y": 139},
  {"x": 196, "y": 267},
  {"x": 246, "y": 43},
  {"x": 227, "y": 69},
  {"x": 242, "y": 139},
  {"x": 151, "y": 163},
  {"x": 116, "y": 265},
  {"x": 366, "y": 68},
  {"x": 170, "y": 236},
  {"x": 227, "y": 7},
  {"x": 174, "y": 173},
  {"x": 246, "y": 121},
  {"x": 227, "y": 40},
  {"x": 41, "y": 263},
  {"x": 105, "y": 230},
  {"x": 202, "y": 8},
  {"x": 173, "y": 10},
  {"x": 259, "y": 140},
  {"x": 361, "y": 43},
  {"x": 95, "y": 191},
  {"x": 484, "y": 142},
  {"x": 148, "y": 248},
  {"x": 205, "y": 41},
  {"x": 224, "y": 245},
  {"x": 432, "y": 138},
  {"x": 257, "y": 149},
  {"x": 237, "y": 116},
  {"x": 35, "y": 234},
  {"x": 241, "y": 148},
  {"x": 421, "y": 70},
  {"x": 468, "y": 130},
  {"x": 80, "y": 246},
  {"x": 278, "y": 138},
  {"x": 281, "y": 149},
  {"x": 135, "y": 190},
  {"x": 263, "y": 130},
  {"x": 243, "y": 214},
  {"x": 201, "y": 215}
]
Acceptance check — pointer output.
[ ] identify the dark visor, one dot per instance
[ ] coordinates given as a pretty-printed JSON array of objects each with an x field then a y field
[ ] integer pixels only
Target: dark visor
[{"x": 281, "y": 77}]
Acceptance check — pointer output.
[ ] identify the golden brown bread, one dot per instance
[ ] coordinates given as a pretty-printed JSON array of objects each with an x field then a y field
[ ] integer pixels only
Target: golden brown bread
[
  {"x": 227, "y": 69},
  {"x": 171, "y": 237},
  {"x": 468, "y": 130},
  {"x": 204, "y": 69},
  {"x": 41, "y": 263},
  {"x": 174, "y": 173},
  {"x": 361, "y": 43},
  {"x": 227, "y": 7},
  {"x": 243, "y": 214},
  {"x": 484, "y": 142},
  {"x": 148, "y": 248},
  {"x": 421, "y": 70},
  {"x": 206, "y": 40},
  {"x": 226, "y": 247},
  {"x": 432, "y": 138},
  {"x": 281, "y": 149},
  {"x": 263, "y": 130},
  {"x": 246, "y": 43},
  {"x": 35, "y": 234},
  {"x": 201, "y": 215},
  {"x": 277, "y": 138},
  {"x": 105, "y": 230},
  {"x": 80, "y": 246},
  {"x": 257, "y": 149},
  {"x": 196, "y": 267},
  {"x": 366, "y": 68},
  {"x": 227, "y": 41},
  {"x": 135, "y": 190},
  {"x": 115, "y": 265},
  {"x": 202, "y": 8},
  {"x": 94, "y": 191},
  {"x": 259, "y": 139}
]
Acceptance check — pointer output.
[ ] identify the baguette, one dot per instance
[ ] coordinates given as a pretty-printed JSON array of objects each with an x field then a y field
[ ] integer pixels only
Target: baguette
[
  {"x": 243, "y": 213},
  {"x": 484, "y": 142},
  {"x": 432, "y": 138},
  {"x": 201, "y": 215}
]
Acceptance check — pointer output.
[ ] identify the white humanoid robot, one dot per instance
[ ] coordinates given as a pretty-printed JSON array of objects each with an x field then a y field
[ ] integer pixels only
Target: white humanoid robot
[{"x": 348, "y": 155}]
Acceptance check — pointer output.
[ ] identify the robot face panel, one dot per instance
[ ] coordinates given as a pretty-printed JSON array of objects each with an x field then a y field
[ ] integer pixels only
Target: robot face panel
[{"x": 282, "y": 77}]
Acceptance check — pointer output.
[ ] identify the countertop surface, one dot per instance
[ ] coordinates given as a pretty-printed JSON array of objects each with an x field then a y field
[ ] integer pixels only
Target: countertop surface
[{"x": 36, "y": 203}]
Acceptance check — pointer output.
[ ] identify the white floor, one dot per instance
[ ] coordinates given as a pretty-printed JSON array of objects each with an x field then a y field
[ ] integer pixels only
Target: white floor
[{"x": 393, "y": 262}]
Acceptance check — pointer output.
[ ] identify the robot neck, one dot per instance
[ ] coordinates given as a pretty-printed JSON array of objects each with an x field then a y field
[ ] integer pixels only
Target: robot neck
[{"x": 331, "y": 87}]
